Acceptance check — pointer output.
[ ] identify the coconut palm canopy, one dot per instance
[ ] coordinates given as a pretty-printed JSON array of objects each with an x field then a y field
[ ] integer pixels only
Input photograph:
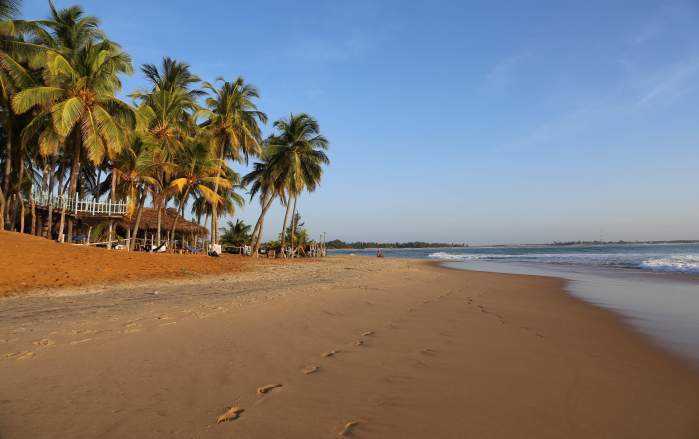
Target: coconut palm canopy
[{"x": 172, "y": 150}]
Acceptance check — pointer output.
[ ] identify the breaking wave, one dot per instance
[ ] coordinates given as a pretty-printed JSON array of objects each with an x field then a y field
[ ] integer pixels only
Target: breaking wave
[{"x": 662, "y": 263}]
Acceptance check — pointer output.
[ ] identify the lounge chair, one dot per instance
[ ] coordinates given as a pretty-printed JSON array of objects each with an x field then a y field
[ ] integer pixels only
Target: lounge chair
[{"x": 192, "y": 249}]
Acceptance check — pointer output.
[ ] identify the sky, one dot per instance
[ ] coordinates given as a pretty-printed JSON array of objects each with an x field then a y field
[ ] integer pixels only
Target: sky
[{"x": 459, "y": 121}]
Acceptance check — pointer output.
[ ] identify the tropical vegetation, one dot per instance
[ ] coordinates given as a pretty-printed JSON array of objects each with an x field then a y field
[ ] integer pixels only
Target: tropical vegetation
[{"x": 66, "y": 130}]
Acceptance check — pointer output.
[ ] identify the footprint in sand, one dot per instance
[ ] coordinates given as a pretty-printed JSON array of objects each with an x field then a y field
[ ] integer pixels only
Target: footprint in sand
[
  {"x": 329, "y": 353},
  {"x": 368, "y": 333},
  {"x": 427, "y": 351},
  {"x": 231, "y": 414},
  {"x": 310, "y": 369},
  {"x": 84, "y": 340},
  {"x": 347, "y": 429},
  {"x": 265, "y": 389},
  {"x": 43, "y": 342},
  {"x": 359, "y": 343},
  {"x": 23, "y": 355},
  {"x": 131, "y": 327}
]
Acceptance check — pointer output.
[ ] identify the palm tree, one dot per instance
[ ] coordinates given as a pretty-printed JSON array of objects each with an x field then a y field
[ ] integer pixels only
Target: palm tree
[
  {"x": 132, "y": 172},
  {"x": 196, "y": 171},
  {"x": 15, "y": 74},
  {"x": 166, "y": 120},
  {"x": 263, "y": 181},
  {"x": 297, "y": 155},
  {"x": 236, "y": 234},
  {"x": 81, "y": 78},
  {"x": 233, "y": 125}
]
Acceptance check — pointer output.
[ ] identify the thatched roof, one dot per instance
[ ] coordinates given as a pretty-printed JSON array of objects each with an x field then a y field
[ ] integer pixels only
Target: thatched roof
[{"x": 149, "y": 222}]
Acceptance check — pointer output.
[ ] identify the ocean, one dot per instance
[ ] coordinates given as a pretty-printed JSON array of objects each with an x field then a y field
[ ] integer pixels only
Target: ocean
[
  {"x": 653, "y": 287},
  {"x": 661, "y": 258}
]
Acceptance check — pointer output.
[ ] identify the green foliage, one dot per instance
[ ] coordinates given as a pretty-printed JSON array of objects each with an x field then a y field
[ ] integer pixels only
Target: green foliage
[
  {"x": 236, "y": 234},
  {"x": 300, "y": 232},
  {"x": 175, "y": 140}
]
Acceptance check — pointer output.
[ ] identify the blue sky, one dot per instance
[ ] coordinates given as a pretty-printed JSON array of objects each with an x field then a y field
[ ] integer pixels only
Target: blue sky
[{"x": 479, "y": 122}]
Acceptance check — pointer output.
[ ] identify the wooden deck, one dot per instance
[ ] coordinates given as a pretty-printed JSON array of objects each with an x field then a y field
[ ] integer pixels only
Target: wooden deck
[{"x": 80, "y": 208}]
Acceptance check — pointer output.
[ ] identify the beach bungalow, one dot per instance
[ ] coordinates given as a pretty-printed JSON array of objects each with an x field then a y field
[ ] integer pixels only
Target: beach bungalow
[{"x": 188, "y": 235}]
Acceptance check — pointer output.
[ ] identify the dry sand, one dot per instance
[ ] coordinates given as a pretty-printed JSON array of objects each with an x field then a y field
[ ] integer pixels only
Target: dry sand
[
  {"x": 29, "y": 263},
  {"x": 444, "y": 354}
]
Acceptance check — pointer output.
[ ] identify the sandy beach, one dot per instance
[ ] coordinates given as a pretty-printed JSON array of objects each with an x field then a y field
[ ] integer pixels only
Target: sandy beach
[{"x": 363, "y": 347}]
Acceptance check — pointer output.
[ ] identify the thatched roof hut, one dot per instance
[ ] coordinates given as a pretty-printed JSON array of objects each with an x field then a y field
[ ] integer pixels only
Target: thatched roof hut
[{"x": 149, "y": 223}]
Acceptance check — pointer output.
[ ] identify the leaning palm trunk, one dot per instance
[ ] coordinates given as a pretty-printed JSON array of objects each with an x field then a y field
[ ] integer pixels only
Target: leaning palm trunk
[
  {"x": 286, "y": 217},
  {"x": 259, "y": 221},
  {"x": 293, "y": 227},
  {"x": 258, "y": 239}
]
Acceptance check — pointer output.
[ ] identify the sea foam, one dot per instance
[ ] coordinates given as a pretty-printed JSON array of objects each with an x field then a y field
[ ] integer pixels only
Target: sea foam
[{"x": 676, "y": 263}]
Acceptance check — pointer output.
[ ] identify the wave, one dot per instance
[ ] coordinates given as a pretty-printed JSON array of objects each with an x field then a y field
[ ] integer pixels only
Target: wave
[
  {"x": 665, "y": 263},
  {"x": 677, "y": 263},
  {"x": 444, "y": 256}
]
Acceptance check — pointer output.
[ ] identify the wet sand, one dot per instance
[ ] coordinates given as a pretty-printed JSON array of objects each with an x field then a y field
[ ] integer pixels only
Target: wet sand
[{"x": 363, "y": 347}]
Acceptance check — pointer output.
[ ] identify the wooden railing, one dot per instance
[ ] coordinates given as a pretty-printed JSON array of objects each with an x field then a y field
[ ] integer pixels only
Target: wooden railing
[{"x": 76, "y": 205}]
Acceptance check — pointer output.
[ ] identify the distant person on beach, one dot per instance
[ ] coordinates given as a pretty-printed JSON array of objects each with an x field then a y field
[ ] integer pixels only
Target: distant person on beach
[{"x": 379, "y": 253}]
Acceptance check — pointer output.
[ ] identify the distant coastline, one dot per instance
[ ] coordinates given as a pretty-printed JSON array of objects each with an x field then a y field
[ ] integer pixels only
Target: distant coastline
[
  {"x": 359, "y": 245},
  {"x": 621, "y": 242}
]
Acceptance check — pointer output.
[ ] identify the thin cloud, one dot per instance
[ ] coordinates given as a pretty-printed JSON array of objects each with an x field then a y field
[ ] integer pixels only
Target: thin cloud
[
  {"x": 676, "y": 81},
  {"x": 503, "y": 73}
]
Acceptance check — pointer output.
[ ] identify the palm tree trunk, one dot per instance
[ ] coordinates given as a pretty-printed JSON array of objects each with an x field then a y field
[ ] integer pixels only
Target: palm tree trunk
[
  {"x": 214, "y": 207},
  {"x": 2, "y": 209},
  {"x": 111, "y": 221},
  {"x": 52, "y": 178},
  {"x": 33, "y": 212},
  {"x": 293, "y": 226},
  {"x": 261, "y": 221},
  {"x": 160, "y": 199},
  {"x": 74, "y": 174},
  {"x": 160, "y": 221},
  {"x": 179, "y": 209},
  {"x": 286, "y": 217},
  {"x": 61, "y": 193},
  {"x": 141, "y": 202},
  {"x": 20, "y": 196},
  {"x": 8, "y": 169}
]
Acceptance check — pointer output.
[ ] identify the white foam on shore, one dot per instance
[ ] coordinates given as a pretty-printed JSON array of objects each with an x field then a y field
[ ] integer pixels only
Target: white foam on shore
[
  {"x": 444, "y": 256},
  {"x": 688, "y": 263},
  {"x": 677, "y": 263}
]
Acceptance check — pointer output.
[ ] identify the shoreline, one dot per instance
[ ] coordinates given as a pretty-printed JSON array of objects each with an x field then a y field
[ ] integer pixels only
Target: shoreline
[{"x": 443, "y": 352}]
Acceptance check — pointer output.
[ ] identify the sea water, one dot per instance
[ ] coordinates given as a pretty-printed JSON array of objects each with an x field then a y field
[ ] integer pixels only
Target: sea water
[{"x": 654, "y": 287}]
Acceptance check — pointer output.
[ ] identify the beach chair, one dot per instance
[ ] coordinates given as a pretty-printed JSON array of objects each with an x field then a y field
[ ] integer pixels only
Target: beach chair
[
  {"x": 192, "y": 249},
  {"x": 159, "y": 249}
]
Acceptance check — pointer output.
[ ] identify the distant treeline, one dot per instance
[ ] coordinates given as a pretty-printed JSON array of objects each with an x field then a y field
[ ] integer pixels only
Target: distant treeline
[
  {"x": 678, "y": 241},
  {"x": 336, "y": 243}
]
